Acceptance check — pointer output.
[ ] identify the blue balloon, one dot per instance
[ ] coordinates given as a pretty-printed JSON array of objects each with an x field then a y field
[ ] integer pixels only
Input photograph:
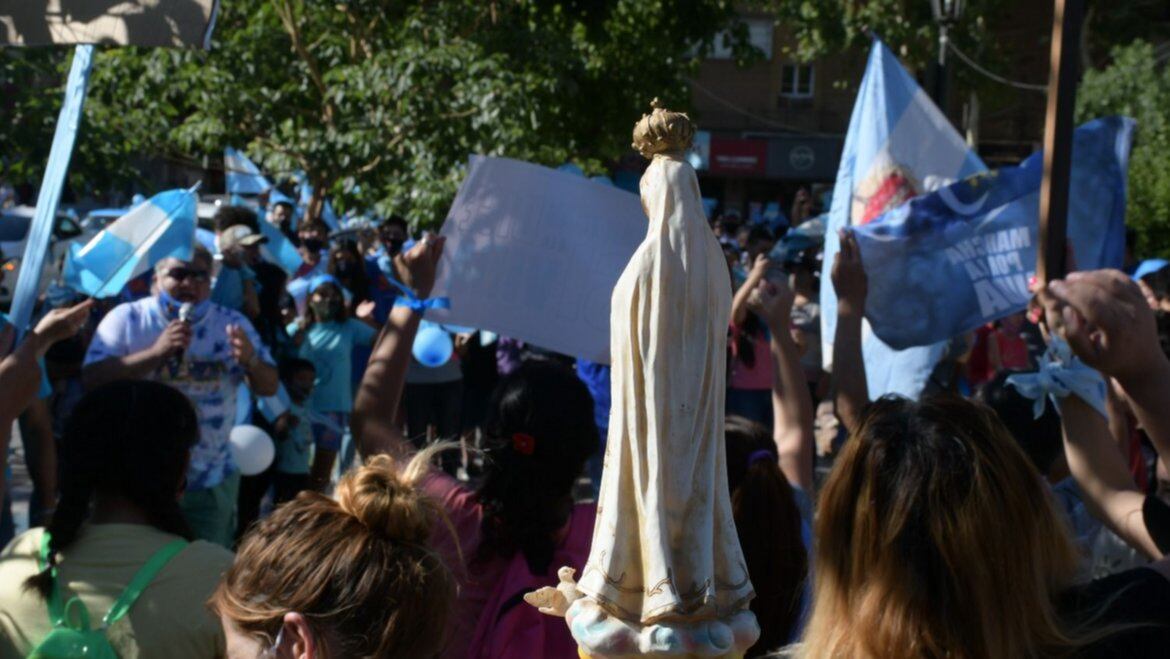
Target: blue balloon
[{"x": 432, "y": 346}]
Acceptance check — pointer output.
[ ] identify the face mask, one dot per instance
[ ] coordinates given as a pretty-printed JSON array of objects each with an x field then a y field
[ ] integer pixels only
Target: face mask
[
  {"x": 346, "y": 270},
  {"x": 298, "y": 394},
  {"x": 171, "y": 306},
  {"x": 313, "y": 244},
  {"x": 395, "y": 245},
  {"x": 327, "y": 310}
]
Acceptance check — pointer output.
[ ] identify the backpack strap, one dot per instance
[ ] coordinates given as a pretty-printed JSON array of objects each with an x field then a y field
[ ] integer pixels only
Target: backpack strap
[
  {"x": 56, "y": 607},
  {"x": 141, "y": 580}
]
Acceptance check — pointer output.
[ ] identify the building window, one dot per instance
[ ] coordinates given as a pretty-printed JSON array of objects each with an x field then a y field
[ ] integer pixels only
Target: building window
[
  {"x": 759, "y": 36},
  {"x": 796, "y": 80}
]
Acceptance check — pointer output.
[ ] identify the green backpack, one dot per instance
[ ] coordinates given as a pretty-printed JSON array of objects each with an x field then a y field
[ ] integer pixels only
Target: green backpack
[{"x": 71, "y": 636}]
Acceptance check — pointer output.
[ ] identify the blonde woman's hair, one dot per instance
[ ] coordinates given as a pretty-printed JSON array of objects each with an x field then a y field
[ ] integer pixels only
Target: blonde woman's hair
[
  {"x": 935, "y": 538},
  {"x": 663, "y": 131},
  {"x": 358, "y": 568}
]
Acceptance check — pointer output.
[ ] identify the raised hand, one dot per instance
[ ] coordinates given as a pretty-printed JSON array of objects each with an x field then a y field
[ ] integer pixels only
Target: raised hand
[
  {"x": 1104, "y": 318},
  {"x": 416, "y": 267},
  {"x": 772, "y": 302},
  {"x": 365, "y": 310},
  {"x": 849, "y": 278},
  {"x": 62, "y": 323},
  {"x": 242, "y": 349}
]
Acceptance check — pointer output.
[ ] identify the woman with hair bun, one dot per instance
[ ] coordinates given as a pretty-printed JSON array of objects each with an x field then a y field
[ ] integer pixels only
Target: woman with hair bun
[
  {"x": 347, "y": 578},
  {"x": 521, "y": 524}
]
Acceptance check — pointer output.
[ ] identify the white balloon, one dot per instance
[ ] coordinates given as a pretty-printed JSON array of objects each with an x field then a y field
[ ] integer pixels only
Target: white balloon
[{"x": 252, "y": 449}]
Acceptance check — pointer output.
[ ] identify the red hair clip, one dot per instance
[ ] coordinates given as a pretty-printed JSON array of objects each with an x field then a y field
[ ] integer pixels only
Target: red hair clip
[{"x": 523, "y": 443}]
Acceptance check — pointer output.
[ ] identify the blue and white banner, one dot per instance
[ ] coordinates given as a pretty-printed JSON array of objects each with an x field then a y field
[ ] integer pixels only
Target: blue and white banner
[
  {"x": 163, "y": 227},
  {"x": 950, "y": 261},
  {"x": 898, "y": 146},
  {"x": 243, "y": 176}
]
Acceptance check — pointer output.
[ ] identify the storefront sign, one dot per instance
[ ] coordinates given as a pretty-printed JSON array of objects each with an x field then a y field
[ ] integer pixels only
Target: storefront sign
[
  {"x": 806, "y": 158},
  {"x": 739, "y": 156}
]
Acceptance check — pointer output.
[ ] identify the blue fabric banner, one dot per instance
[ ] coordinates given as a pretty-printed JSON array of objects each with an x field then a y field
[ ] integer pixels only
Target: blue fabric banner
[
  {"x": 898, "y": 146},
  {"x": 947, "y": 262}
]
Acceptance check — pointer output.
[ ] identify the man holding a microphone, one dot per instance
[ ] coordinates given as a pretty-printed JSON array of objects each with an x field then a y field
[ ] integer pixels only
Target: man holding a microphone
[{"x": 178, "y": 336}]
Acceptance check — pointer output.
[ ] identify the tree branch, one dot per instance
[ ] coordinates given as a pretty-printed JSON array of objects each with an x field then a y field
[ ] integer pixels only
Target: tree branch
[{"x": 288, "y": 18}]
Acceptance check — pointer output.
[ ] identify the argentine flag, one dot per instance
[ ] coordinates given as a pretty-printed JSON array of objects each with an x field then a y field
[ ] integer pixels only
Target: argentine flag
[
  {"x": 243, "y": 176},
  {"x": 899, "y": 145},
  {"x": 162, "y": 227}
]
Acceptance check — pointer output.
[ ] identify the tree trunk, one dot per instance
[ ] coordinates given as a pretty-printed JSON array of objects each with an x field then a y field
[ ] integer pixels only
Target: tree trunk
[{"x": 316, "y": 202}]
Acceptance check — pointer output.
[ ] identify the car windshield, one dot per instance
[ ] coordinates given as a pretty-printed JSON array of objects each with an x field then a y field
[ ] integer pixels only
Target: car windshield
[{"x": 13, "y": 228}]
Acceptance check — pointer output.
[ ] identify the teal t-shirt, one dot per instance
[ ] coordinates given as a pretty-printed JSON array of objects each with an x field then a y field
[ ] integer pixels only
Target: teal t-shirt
[
  {"x": 330, "y": 347},
  {"x": 293, "y": 454}
]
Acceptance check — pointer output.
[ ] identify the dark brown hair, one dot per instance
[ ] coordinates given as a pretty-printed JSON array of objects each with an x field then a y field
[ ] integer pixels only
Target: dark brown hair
[
  {"x": 767, "y": 521},
  {"x": 131, "y": 439}
]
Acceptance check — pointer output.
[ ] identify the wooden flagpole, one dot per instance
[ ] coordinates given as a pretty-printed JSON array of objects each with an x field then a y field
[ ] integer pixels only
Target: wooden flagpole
[{"x": 1067, "y": 18}]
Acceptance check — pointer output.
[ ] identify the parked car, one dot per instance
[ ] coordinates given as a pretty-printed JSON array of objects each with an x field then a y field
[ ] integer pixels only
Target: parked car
[{"x": 14, "y": 229}]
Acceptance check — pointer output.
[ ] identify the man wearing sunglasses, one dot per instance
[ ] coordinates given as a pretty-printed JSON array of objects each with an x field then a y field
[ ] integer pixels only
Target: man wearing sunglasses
[{"x": 178, "y": 336}]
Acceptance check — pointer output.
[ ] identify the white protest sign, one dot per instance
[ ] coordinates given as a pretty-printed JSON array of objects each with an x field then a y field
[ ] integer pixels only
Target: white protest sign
[
  {"x": 167, "y": 24},
  {"x": 534, "y": 253}
]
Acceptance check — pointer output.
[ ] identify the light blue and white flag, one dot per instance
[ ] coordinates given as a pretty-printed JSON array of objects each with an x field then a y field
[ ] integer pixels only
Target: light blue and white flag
[
  {"x": 243, "y": 176},
  {"x": 278, "y": 249},
  {"x": 898, "y": 146},
  {"x": 305, "y": 192},
  {"x": 947, "y": 262},
  {"x": 163, "y": 227}
]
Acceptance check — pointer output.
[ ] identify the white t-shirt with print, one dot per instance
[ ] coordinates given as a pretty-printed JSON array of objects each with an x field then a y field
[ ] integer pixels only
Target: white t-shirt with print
[{"x": 207, "y": 374}]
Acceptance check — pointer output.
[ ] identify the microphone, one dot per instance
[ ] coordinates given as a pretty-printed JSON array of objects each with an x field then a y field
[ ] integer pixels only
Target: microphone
[{"x": 186, "y": 313}]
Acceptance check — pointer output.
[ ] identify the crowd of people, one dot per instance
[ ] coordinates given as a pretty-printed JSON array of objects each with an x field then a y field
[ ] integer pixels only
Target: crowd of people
[{"x": 411, "y": 506}]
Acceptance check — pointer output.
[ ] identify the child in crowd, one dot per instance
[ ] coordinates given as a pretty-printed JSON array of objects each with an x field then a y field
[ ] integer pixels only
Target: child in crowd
[
  {"x": 294, "y": 434},
  {"x": 326, "y": 336}
]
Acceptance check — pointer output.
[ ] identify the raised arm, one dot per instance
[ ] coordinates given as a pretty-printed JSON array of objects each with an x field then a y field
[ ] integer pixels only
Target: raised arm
[
  {"x": 1100, "y": 470},
  {"x": 381, "y": 387},
  {"x": 851, "y": 393},
  {"x": 739, "y": 303},
  {"x": 1107, "y": 323},
  {"x": 792, "y": 408},
  {"x": 20, "y": 372}
]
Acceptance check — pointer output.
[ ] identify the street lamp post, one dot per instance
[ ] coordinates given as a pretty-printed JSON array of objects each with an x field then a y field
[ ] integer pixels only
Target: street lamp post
[{"x": 946, "y": 13}]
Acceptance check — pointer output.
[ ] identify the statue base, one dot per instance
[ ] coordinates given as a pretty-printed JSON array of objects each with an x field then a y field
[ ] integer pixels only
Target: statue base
[{"x": 600, "y": 635}]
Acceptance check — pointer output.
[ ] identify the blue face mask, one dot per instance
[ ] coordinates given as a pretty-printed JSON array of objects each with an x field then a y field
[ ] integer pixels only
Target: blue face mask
[{"x": 170, "y": 306}]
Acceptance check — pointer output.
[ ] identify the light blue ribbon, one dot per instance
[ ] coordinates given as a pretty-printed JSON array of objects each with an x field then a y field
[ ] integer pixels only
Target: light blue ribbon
[
  {"x": 386, "y": 265},
  {"x": 413, "y": 300},
  {"x": 1059, "y": 375}
]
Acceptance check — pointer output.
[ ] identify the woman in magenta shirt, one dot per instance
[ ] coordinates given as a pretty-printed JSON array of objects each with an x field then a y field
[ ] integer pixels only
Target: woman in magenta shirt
[{"x": 511, "y": 534}]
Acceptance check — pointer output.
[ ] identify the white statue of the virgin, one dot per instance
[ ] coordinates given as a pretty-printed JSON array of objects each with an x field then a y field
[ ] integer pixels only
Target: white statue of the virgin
[{"x": 665, "y": 574}]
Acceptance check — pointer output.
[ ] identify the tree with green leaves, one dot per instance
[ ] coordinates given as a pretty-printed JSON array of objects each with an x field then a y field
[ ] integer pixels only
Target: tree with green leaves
[
  {"x": 1137, "y": 84},
  {"x": 380, "y": 103}
]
